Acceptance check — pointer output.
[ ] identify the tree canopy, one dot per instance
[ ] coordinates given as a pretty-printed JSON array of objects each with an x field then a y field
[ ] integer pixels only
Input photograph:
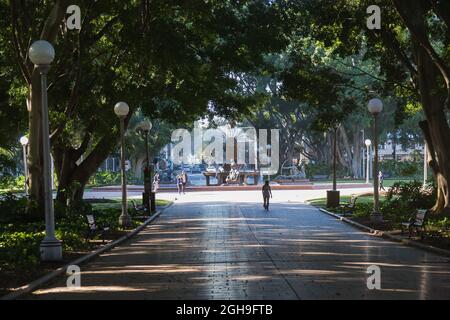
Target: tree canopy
[{"x": 305, "y": 65}]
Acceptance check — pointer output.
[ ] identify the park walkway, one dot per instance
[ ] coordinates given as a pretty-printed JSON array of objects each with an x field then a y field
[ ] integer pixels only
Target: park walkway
[{"x": 202, "y": 248}]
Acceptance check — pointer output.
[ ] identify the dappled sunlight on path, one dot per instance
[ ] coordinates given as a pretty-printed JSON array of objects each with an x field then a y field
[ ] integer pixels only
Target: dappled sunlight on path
[{"x": 215, "y": 250}]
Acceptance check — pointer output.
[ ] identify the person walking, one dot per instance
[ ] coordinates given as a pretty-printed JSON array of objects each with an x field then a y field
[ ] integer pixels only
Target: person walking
[
  {"x": 184, "y": 179},
  {"x": 156, "y": 180},
  {"x": 179, "y": 181},
  {"x": 381, "y": 180},
  {"x": 267, "y": 194}
]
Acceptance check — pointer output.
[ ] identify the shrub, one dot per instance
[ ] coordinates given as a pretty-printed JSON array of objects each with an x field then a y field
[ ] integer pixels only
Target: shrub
[
  {"x": 312, "y": 169},
  {"x": 413, "y": 193},
  {"x": 105, "y": 178},
  {"x": 408, "y": 169},
  {"x": 19, "y": 250},
  {"x": 403, "y": 169},
  {"x": 15, "y": 209},
  {"x": 442, "y": 224},
  {"x": 363, "y": 209},
  {"x": 20, "y": 236},
  {"x": 12, "y": 183},
  {"x": 403, "y": 198}
]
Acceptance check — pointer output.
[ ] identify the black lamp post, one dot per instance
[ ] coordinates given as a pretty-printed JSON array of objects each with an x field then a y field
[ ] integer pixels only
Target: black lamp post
[
  {"x": 333, "y": 196},
  {"x": 334, "y": 159},
  {"x": 148, "y": 197},
  {"x": 375, "y": 107}
]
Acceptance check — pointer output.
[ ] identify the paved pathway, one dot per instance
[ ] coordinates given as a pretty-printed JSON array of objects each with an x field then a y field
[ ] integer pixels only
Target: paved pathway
[{"x": 203, "y": 248}]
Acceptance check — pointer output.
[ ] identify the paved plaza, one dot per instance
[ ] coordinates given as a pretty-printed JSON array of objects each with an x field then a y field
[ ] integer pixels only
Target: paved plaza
[{"x": 225, "y": 246}]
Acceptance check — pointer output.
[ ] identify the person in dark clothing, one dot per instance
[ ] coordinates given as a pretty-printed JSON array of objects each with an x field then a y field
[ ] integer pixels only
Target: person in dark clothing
[
  {"x": 179, "y": 181},
  {"x": 184, "y": 180},
  {"x": 381, "y": 180},
  {"x": 267, "y": 194}
]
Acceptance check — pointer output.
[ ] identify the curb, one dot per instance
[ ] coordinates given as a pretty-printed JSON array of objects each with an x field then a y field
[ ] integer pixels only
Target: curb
[
  {"x": 36, "y": 284},
  {"x": 355, "y": 224},
  {"x": 389, "y": 236}
]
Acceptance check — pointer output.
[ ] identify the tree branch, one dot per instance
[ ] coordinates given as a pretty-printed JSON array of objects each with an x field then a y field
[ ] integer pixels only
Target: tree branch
[
  {"x": 54, "y": 20},
  {"x": 413, "y": 15},
  {"x": 21, "y": 57}
]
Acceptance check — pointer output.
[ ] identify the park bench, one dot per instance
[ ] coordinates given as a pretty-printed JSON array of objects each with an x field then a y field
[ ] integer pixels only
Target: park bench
[
  {"x": 349, "y": 208},
  {"x": 140, "y": 210},
  {"x": 416, "y": 222},
  {"x": 94, "y": 229}
]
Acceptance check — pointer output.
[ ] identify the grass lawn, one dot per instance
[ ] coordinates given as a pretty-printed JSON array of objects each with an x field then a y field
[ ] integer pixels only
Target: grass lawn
[
  {"x": 116, "y": 203},
  {"x": 387, "y": 182}
]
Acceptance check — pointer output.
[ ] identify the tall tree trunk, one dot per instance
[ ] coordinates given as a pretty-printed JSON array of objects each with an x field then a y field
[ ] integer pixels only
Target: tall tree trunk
[
  {"x": 347, "y": 158},
  {"x": 138, "y": 168},
  {"x": 435, "y": 128},
  {"x": 73, "y": 177},
  {"x": 433, "y": 76},
  {"x": 356, "y": 160},
  {"x": 35, "y": 158}
]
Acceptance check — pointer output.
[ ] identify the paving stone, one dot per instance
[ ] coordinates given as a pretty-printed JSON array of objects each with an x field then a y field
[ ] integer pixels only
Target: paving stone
[{"x": 218, "y": 250}]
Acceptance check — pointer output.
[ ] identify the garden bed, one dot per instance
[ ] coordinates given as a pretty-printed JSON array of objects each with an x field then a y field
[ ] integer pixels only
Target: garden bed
[
  {"x": 20, "y": 237},
  {"x": 384, "y": 226},
  {"x": 399, "y": 205}
]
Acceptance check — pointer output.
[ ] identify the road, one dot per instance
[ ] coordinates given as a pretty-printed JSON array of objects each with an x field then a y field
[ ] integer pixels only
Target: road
[{"x": 225, "y": 246}]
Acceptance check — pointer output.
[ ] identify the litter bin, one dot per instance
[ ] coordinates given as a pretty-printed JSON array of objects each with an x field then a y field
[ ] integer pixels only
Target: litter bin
[
  {"x": 333, "y": 198},
  {"x": 152, "y": 202}
]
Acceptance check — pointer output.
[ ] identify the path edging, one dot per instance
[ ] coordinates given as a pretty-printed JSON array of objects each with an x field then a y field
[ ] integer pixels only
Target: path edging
[
  {"x": 36, "y": 284},
  {"x": 388, "y": 235}
]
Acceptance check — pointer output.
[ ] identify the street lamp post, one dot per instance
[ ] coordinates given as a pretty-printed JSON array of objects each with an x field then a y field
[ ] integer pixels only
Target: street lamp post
[
  {"x": 375, "y": 106},
  {"x": 121, "y": 109},
  {"x": 41, "y": 54},
  {"x": 363, "y": 159},
  {"x": 333, "y": 196},
  {"x": 368, "y": 143},
  {"x": 24, "y": 143},
  {"x": 255, "y": 149},
  {"x": 148, "y": 196},
  {"x": 334, "y": 159}
]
